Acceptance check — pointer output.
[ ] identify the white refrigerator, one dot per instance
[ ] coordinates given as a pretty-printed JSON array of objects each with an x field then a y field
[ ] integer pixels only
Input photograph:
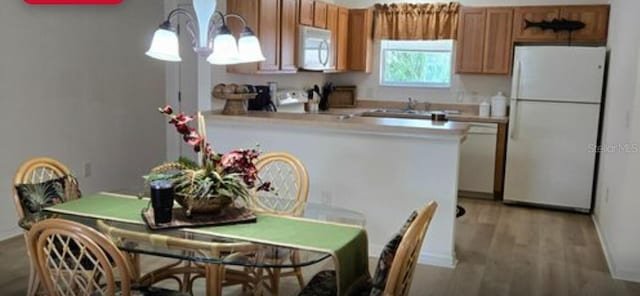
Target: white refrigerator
[{"x": 553, "y": 129}]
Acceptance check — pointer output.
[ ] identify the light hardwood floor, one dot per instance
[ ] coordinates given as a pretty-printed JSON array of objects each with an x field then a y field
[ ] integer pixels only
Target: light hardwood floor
[{"x": 502, "y": 250}]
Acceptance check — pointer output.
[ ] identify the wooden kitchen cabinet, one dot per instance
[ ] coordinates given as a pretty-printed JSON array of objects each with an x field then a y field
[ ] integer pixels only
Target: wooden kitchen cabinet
[
  {"x": 471, "y": 35},
  {"x": 498, "y": 44},
  {"x": 332, "y": 25},
  {"x": 534, "y": 14},
  {"x": 269, "y": 35},
  {"x": 306, "y": 12},
  {"x": 595, "y": 17},
  {"x": 360, "y": 39},
  {"x": 288, "y": 35},
  {"x": 274, "y": 22},
  {"x": 343, "y": 40},
  {"x": 320, "y": 14},
  {"x": 484, "y": 45}
]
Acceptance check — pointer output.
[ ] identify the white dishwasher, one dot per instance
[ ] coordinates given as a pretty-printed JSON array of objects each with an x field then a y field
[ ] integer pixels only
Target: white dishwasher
[{"x": 477, "y": 161}]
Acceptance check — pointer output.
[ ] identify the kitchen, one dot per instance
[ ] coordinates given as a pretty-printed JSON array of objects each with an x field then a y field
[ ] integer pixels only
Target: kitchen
[
  {"x": 506, "y": 235},
  {"x": 477, "y": 78}
]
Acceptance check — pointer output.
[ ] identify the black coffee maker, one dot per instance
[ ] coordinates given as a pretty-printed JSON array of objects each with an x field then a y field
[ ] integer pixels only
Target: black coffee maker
[{"x": 263, "y": 101}]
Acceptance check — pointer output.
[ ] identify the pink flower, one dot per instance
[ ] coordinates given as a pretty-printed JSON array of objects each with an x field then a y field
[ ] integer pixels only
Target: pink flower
[
  {"x": 166, "y": 110},
  {"x": 181, "y": 119},
  {"x": 229, "y": 160},
  {"x": 193, "y": 138}
]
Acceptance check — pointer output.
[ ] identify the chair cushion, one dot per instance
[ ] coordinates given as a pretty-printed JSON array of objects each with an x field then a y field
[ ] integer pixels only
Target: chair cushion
[
  {"x": 34, "y": 197},
  {"x": 379, "y": 280},
  {"x": 153, "y": 291},
  {"x": 324, "y": 284}
]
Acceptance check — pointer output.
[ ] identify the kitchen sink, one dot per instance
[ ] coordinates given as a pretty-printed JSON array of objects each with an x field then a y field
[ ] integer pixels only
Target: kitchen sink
[
  {"x": 345, "y": 116},
  {"x": 406, "y": 113}
]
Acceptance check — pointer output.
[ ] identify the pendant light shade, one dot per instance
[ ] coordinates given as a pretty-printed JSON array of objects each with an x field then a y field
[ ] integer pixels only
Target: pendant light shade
[
  {"x": 164, "y": 45},
  {"x": 225, "y": 49},
  {"x": 249, "y": 49}
]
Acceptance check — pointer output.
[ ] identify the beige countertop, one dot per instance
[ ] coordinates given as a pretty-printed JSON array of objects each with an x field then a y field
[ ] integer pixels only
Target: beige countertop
[
  {"x": 419, "y": 127},
  {"x": 462, "y": 117}
]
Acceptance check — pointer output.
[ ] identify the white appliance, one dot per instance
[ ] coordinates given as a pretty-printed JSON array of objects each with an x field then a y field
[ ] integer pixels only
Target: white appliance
[
  {"x": 314, "y": 49},
  {"x": 291, "y": 101},
  {"x": 553, "y": 128},
  {"x": 477, "y": 161}
]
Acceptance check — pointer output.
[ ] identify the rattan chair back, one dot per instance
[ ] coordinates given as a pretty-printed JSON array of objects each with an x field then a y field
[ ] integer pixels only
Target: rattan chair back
[
  {"x": 36, "y": 170},
  {"x": 74, "y": 259},
  {"x": 406, "y": 258},
  {"x": 290, "y": 181}
]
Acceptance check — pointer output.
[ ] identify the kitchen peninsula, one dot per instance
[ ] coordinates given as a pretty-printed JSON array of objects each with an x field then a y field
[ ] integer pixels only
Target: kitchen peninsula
[{"x": 381, "y": 167}]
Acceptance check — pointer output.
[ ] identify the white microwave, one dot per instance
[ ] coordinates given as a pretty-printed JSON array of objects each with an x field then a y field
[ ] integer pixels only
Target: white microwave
[{"x": 314, "y": 49}]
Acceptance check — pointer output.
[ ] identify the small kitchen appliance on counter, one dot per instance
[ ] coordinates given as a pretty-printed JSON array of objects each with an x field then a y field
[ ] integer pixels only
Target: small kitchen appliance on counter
[{"x": 291, "y": 101}]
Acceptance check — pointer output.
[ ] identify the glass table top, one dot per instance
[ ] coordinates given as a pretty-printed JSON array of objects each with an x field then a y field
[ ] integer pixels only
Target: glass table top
[{"x": 185, "y": 244}]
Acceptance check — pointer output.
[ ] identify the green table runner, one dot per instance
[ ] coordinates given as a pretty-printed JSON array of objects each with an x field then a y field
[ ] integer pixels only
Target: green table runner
[{"x": 347, "y": 244}]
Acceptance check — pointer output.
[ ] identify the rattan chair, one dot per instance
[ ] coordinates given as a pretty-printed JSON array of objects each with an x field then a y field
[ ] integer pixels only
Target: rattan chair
[
  {"x": 290, "y": 182},
  {"x": 74, "y": 259},
  {"x": 215, "y": 274},
  {"x": 400, "y": 274},
  {"x": 36, "y": 170}
]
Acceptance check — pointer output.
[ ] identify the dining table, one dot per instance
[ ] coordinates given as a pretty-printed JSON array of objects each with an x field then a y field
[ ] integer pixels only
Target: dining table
[{"x": 226, "y": 254}]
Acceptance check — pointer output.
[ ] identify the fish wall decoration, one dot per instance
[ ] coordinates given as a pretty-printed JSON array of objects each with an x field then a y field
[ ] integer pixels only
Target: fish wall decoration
[{"x": 556, "y": 25}]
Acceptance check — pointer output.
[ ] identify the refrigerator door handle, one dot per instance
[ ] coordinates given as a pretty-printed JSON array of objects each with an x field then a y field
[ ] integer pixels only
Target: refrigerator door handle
[
  {"x": 514, "y": 119},
  {"x": 515, "y": 94}
]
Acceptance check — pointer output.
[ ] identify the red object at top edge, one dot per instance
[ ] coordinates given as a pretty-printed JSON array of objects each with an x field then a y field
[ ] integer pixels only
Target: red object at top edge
[{"x": 73, "y": 2}]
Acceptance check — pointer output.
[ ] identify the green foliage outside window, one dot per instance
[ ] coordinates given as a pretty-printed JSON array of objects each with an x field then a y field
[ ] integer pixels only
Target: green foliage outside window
[{"x": 412, "y": 67}]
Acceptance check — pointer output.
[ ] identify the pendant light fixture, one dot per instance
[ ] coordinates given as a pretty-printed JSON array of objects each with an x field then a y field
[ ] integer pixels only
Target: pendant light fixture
[{"x": 211, "y": 37}]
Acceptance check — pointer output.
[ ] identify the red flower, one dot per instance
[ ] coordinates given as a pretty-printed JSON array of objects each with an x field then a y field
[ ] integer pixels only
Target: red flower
[
  {"x": 230, "y": 159},
  {"x": 166, "y": 110},
  {"x": 193, "y": 138},
  {"x": 181, "y": 119}
]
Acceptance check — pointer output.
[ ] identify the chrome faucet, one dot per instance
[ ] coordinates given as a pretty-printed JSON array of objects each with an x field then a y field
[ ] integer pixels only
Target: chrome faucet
[{"x": 412, "y": 104}]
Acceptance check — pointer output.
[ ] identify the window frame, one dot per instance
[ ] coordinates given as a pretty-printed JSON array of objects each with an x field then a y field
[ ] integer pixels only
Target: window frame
[{"x": 394, "y": 45}]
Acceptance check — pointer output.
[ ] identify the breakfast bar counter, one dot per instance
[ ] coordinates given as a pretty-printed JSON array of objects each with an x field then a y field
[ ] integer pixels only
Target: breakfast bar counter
[{"x": 381, "y": 167}]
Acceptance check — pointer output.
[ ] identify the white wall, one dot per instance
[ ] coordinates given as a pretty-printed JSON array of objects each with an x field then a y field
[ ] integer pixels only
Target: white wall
[
  {"x": 75, "y": 85},
  {"x": 617, "y": 200}
]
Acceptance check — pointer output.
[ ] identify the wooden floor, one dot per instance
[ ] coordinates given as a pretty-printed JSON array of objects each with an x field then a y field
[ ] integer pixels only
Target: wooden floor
[{"x": 502, "y": 250}]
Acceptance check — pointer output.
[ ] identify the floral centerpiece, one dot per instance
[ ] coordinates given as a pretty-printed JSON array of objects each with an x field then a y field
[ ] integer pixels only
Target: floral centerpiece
[{"x": 218, "y": 180}]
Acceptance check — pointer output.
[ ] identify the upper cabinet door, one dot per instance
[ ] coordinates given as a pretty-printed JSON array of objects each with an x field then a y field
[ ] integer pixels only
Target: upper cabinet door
[
  {"x": 289, "y": 14},
  {"x": 471, "y": 34},
  {"x": 270, "y": 34},
  {"x": 306, "y": 12},
  {"x": 498, "y": 44},
  {"x": 595, "y": 18},
  {"x": 332, "y": 25},
  {"x": 249, "y": 9},
  {"x": 360, "y": 39},
  {"x": 320, "y": 14},
  {"x": 534, "y": 14},
  {"x": 343, "y": 39}
]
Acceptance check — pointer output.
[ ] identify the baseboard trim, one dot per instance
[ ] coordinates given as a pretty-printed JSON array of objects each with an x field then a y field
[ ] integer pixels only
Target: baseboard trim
[
  {"x": 603, "y": 244},
  {"x": 426, "y": 258},
  {"x": 625, "y": 275},
  {"x": 10, "y": 233}
]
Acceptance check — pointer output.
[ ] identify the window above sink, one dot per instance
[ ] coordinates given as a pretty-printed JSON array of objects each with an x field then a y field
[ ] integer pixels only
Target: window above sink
[{"x": 416, "y": 63}]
